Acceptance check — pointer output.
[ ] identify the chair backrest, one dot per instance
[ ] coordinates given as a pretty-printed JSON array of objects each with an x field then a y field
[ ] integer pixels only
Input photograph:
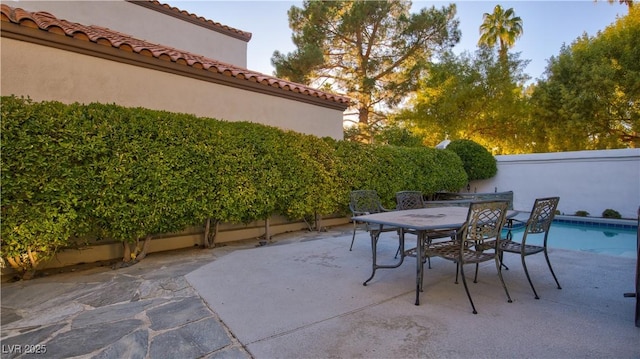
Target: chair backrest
[
  {"x": 409, "y": 200},
  {"x": 485, "y": 220},
  {"x": 365, "y": 202},
  {"x": 542, "y": 214}
]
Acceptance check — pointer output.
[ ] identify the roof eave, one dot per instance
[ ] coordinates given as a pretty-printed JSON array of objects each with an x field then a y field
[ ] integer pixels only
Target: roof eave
[{"x": 40, "y": 37}]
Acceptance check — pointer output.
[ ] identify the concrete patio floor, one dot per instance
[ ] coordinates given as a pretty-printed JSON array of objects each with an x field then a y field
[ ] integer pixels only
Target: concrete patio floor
[
  {"x": 302, "y": 297},
  {"x": 307, "y": 300}
]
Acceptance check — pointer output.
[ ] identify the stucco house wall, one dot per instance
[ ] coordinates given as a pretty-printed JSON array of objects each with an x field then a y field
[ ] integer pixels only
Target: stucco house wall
[
  {"x": 70, "y": 77},
  {"x": 153, "y": 22}
]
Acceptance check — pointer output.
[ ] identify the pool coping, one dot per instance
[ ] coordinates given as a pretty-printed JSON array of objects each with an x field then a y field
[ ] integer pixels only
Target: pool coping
[
  {"x": 587, "y": 221},
  {"x": 599, "y": 222}
]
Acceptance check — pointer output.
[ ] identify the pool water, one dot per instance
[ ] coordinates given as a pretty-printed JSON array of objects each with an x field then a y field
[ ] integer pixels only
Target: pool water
[{"x": 583, "y": 237}]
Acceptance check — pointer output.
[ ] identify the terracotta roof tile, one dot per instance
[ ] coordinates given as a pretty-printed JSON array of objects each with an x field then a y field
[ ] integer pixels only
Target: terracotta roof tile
[{"x": 104, "y": 36}]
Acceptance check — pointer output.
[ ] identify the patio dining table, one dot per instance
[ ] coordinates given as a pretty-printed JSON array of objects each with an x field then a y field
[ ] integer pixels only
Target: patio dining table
[{"x": 419, "y": 221}]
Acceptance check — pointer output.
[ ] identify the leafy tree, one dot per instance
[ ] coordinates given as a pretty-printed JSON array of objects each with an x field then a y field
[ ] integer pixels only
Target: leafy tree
[
  {"x": 374, "y": 51},
  {"x": 397, "y": 135},
  {"x": 501, "y": 27},
  {"x": 471, "y": 97},
  {"x": 590, "y": 98}
]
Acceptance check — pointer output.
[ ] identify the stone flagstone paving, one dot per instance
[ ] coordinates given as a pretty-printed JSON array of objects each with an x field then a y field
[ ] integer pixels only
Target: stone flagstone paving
[{"x": 147, "y": 310}]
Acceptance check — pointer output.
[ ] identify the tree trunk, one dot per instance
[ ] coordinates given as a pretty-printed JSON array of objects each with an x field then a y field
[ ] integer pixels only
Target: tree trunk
[
  {"x": 318, "y": 219},
  {"x": 145, "y": 248},
  {"x": 207, "y": 227},
  {"x": 26, "y": 271},
  {"x": 15, "y": 262},
  {"x": 212, "y": 238},
  {"x": 209, "y": 239},
  {"x": 363, "y": 116},
  {"x": 126, "y": 257},
  {"x": 267, "y": 230},
  {"x": 32, "y": 258}
]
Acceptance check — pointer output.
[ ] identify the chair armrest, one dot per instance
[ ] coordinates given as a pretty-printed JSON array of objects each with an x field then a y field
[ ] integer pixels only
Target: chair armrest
[{"x": 511, "y": 220}]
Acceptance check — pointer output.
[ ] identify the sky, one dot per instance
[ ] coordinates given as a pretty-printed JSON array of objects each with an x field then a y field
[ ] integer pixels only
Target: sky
[{"x": 547, "y": 25}]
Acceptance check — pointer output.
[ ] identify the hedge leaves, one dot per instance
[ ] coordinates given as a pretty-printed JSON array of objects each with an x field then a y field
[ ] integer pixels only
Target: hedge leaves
[{"x": 77, "y": 172}]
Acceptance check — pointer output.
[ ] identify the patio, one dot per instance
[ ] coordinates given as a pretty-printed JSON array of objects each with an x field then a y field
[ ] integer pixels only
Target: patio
[
  {"x": 302, "y": 297},
  {"x": 307, "y": 301}
]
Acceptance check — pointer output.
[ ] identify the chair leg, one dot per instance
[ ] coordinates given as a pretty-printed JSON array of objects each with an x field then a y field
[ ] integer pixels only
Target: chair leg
[
  {"x": 504, "y": 285},
  {"x": 464, "y": 281},
  {"x": 400, "y": 241},
  {"x": 546, "y": 255},
  {"x": 475, "y": 278},
  {"x": 422, "y": 277},
  {"x": 353, "y": 238},
  {"x": 457, "y": 271},
  {"x": 524, "y": 265},
  {"x": 502, "y": 265}
]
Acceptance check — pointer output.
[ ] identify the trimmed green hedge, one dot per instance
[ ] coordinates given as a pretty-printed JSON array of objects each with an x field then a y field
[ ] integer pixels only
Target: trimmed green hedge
[{"x": 74, "y": 172}]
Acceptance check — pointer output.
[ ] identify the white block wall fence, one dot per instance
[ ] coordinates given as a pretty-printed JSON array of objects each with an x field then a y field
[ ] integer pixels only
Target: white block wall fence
[{"x": 589, "y": 181}]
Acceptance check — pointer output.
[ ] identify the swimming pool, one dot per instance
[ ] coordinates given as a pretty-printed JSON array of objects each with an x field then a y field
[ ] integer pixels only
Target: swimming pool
[{"x": 615, "y": 238}]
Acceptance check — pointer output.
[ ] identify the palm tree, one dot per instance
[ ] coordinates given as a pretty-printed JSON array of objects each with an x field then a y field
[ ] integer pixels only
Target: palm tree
[{"x": 500, "y": 26}]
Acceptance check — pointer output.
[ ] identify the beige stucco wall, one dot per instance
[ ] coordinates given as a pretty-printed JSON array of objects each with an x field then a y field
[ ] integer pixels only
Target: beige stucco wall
[
  {"x": 145, "y": 24},
  {"x": 46, "y": 73}
]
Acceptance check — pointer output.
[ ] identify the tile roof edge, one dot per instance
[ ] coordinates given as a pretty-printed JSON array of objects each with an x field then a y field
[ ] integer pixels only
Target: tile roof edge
[
  {"x": 193, "y": 18},
  {"x": 49, "y": 24}
]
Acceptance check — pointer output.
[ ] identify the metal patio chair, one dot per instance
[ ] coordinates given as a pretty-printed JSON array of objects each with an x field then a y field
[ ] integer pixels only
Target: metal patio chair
[
  {"x": 363, "y": 202},
  {"x": 539, "y": 222},
  {"x": 480, "y": 233},
  {"x": 414, "y": 200},
  {"x": 409, "y": 200}
]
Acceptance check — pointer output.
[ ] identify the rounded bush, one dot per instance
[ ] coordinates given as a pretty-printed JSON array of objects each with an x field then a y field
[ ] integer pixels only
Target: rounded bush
[
  {"x": 611, "y": 213},
  {"x": 477, "y": 160}
]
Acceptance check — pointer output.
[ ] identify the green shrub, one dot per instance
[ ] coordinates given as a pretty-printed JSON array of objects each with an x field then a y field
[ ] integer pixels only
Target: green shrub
[
  {"x": 46, "y": 171},
  {"x": 389, "y": 169},
  {"x": 76, "y": 172},
  {"x": 477, "y": 160},
  {"x": 610, "y": 213},
  {"x": 582, "y": 213},
  {"x": 311, "y": 182}
]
